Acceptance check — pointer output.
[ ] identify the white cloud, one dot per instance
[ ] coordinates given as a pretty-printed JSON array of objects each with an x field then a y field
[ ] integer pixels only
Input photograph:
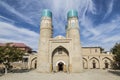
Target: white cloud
[
  {"x": 2, "y": 18},
  {"x": 91, "y": 6},
  {"x": 11, "y": 33},
  {"x": 115, "y": 38},
  {"x": 109, "y": 8},
  {"x": 86, "y": 33},
  {"x": 30, "y": 12},
  {"x": 88, "y": 25},
  {"x": 61, "y": 7},
  {"x": 14, "y": 11},
  {"x": 105, "y": 34}
]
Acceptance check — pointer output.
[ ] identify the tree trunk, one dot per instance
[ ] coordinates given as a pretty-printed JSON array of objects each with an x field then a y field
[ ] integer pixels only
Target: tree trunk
[{"x": 6, "y": 71}]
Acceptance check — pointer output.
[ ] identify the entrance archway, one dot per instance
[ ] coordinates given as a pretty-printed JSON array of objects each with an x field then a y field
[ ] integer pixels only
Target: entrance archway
[
  {"x": 107, "y": 62},
  {"x": 94, "y": 63},
  {"x": 60, "y": 59},
  {"x": 60, "y": 66}
]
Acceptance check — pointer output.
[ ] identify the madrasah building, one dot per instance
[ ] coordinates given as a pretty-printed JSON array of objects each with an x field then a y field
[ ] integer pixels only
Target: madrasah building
[{"x": 66, "y": 53}]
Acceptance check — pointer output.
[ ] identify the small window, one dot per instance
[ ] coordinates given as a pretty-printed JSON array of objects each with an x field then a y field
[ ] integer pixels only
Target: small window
[
  {"x": 95, "y": 50},
  {"x": 72, "y": 23}
]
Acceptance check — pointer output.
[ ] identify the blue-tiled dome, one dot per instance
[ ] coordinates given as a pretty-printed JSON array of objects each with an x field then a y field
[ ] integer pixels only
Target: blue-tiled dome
[
  {"x": 46, "y": 13},
  {"x": 72, "y": 13}
]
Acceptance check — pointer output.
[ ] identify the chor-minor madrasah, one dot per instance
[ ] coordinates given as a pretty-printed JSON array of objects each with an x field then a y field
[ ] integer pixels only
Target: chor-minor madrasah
[{"x": 66, "y": 53}]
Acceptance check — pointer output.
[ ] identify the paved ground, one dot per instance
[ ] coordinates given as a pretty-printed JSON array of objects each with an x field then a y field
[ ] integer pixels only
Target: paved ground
[{"x": 85, "y": 75}]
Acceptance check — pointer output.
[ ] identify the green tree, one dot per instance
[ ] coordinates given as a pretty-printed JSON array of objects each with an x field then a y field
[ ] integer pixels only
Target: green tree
[
  {"x": 9, "y": 54},
  {"x": 116, "y": 52}
]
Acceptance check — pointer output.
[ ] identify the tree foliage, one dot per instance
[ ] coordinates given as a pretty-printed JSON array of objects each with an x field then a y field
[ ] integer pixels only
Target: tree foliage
[
  {"x": 10, "y": 54},
  {"x": 116, "y": 52}
]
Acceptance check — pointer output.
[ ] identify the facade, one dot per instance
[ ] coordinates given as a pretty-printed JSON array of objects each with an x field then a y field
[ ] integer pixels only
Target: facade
[
  {"x": 95, "y": 58},
  {"x": 61, "y": 53},
  {"x": 65, "y": 53}
]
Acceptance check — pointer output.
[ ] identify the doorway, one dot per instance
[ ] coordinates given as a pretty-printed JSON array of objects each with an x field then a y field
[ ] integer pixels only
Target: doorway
[
  {"x": 60, "y": 66},
  {"x": 94, "y": 65},
  {"x": 106, "y": 65}
]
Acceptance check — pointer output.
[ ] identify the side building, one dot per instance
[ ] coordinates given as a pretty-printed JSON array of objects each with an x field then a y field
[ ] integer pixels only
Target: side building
[
  {"x": 96, "y": 58},
  {"x": 29, "y": 60}
]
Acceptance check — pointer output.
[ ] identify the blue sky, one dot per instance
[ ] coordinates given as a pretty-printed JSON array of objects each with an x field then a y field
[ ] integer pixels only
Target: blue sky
[{"x": 99, "y": 20}]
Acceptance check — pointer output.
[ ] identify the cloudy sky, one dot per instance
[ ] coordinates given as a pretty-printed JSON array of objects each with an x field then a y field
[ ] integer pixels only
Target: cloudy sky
[{"x": 99, "y": 20}]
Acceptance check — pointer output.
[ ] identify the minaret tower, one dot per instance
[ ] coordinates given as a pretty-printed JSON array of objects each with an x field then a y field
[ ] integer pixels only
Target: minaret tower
[
  {"x": 45, "y": 34},
  {"x": 73, "y": 33}
]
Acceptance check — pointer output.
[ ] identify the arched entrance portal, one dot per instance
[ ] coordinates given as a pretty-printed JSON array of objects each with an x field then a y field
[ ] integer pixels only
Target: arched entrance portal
[
  {"x": 107, "y": 62},
  {"x": 94, "y": 63},
  {"x": 60, "y": 66},
  {"x": 60, "y": 59}
]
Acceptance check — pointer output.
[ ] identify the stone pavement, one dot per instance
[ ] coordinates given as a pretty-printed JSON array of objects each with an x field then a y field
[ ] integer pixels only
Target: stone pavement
[{"x": 85, "y": 75}]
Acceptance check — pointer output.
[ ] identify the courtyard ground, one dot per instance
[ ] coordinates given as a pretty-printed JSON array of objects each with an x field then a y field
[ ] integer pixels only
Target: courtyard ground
[{"x": 85, "y": 75}]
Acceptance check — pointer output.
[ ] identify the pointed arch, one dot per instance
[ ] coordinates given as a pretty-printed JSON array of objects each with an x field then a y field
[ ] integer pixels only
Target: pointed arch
[
  {"x": 33, "y": 63},
  {"x": 94, "y": 58},
  {"x": 94, "y": 62},
  {"x": 106, "y": 58},
  {"x": 85, "y": 63},
  {"x": 107, "y": 62},
  {"x": 60, "y": 48}
]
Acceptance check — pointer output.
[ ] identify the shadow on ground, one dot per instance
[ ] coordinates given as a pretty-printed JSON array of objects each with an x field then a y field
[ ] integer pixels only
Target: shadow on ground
[
  {"x": 115, "y": 72},
  {"x": 20, "y": 70},
  {"x": 16, "y": 71}
]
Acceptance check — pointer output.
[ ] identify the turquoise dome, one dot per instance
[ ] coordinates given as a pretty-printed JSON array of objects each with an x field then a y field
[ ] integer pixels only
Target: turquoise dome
[
  {"x": 72, "y": 13},
  {"x": 46, "y": 13}
]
